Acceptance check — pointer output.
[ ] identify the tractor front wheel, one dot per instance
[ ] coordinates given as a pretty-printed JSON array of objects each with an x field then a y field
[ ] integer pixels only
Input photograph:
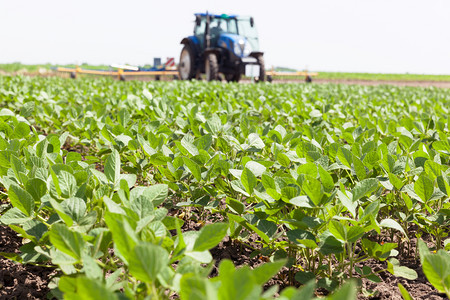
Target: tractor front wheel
[
  {"x": 211, "y": 67},
  {"x": 186, "y": 67}
]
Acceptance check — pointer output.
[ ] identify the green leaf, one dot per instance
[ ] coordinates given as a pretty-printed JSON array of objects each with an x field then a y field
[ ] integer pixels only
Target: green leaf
[
  {"x": 390, "y": 223},
  {"x": 142, "y": 206},
  {"x": 254, "y": 141},
  {"x": 330, "y": 245},
  {"x": 437, "y": 269},
  {"x": 238, "y": 285},
  {"x": 6, "y": 112},
  {"x": 37, "y": 188},
  {"x": 423, "y": 250},
  {"x": 248, "y": 180},
  {"x": 60, "y": 210},
  {"x": 125, "y": 239},
  {"x": 21, "y": 130},
  {"x": 309, "y": 168},
  {"x": 27, "y": 109},
  {"x": 347, "y": 292},
  {"x": 210, "y": 236},
  {"x": 267, "y": 270},
  {"x": 196, "y": 287},
  {"x": 424, "y": 187},
  {"x": 268, "y": 227},
  {"x": 374, "y": 278},
  {"x": 354, "y": 233},
  {"x": 81, "y": 287},
  {"x": 305, "y": 277},
  {"x": 283, "y": 159},
  {"x": 35, "y": 228},
  {"x": 401, "y": 271},
  {"x": 91, "y": 268},
  {"x": 443, "y": 185},
  {"x": 14, "y": 216},
  {"x": 305, "y": 292},
  {"x": 21, "y": 232},
  {"x": 271, "y": 187},
  {"x": 147, "y": 261},
  {"x": 359, "y": 167},
  {"x": 112, "y": 167},
  {"x": 375, "y": 250},
  {"x": 404, "y": 292},
  {"x": 67, "y": 241},
  {"x": 156, "y": 194},
  {"x": 345, "y": 157},
  {"x": 256, "y": 168},
  {"x": 395, "y": 181},
  {"x": 243, "y": 222},
  {"x": 204, "y": 142},
  {"x": 193, "y": 167},
  {"x": 338, "y": 230},
  {"x": 364, "y": 187},
  {"x": 21, "y": 199},
  {"x": 67, "y": 184},
  {"x": 297, "y": 235},
  {"x": 433, "y": 169},
  {"x": 348, "y": 203},
  {"x": 236, "y": 206},
  {"x": 327, "y": 180},
  {"x": 75, "y": 208},
  {"x": 189, "y": 146},
  {"x": 313, "y": 188}
]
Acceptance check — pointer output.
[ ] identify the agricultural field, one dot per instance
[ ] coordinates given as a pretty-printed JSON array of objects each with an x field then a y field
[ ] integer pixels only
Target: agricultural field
[
  {"x": 383, "y": 77},
  {"x": 196, "y": 190},
  {"x": 323, "y": 77}
]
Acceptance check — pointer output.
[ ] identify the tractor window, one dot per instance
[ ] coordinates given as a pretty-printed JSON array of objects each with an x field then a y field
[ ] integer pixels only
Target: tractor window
[
  {"x": 221, "y": 25},
  {"x": 216, "y": 28},
  {"x": 199, "y": 31},
  {"x": 246, "y": 30},
  {"x": 232, "y": 26}
]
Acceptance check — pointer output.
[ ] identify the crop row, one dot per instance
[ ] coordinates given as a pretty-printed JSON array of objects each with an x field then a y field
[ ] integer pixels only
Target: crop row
[{"x": 100, "y": 177}]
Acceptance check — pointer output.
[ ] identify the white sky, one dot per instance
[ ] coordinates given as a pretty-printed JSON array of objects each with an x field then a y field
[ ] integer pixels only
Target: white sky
[{"x": 390, "y": 36}]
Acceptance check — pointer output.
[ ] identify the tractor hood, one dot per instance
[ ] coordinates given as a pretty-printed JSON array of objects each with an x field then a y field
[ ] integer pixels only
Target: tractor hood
[{"x": 238, "y": 44}]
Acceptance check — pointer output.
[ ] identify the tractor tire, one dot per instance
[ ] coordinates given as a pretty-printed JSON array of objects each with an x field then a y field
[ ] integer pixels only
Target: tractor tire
[
  {"x": 73, "y": 75},
  {"x": 186, "y": 68},
  {"x": 262, "y": 69},
  {"x": 211, "y": 67},
  {"x": 269, "y": 78},
  {"x": 233, "y": 77},
  {"x": 308, "y": 79}
]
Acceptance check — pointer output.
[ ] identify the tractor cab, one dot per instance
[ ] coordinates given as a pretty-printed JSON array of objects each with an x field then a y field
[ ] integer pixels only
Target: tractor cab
[{"x": 226, "y": 44}]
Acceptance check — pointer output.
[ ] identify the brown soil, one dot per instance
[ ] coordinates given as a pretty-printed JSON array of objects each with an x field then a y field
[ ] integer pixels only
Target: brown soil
[
  {"x": 19, "y": 281},
  {"x": 388, "y": 287}
]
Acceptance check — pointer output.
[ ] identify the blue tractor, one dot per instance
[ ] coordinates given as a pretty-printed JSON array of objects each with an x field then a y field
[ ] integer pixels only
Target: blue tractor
[{"x": 222, "y": 44}]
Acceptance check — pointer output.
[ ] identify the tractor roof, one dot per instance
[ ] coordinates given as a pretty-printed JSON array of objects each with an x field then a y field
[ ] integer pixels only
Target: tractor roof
[{"x": 222, "y": 16}]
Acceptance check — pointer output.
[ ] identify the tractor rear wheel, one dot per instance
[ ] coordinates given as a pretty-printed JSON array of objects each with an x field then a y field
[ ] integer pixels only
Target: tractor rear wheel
[
  {"x": 262, "y": 69},
  {"x": 186, "y": 67},
  {"x": 211, "y": 67}
]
